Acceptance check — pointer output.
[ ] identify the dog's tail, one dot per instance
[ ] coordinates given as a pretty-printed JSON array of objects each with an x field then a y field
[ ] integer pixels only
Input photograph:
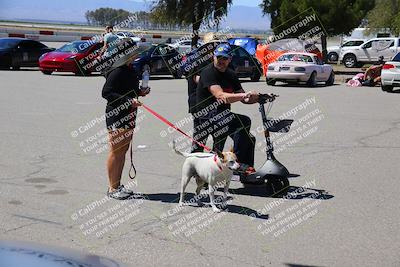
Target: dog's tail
[{"x": 184, "y": 154}]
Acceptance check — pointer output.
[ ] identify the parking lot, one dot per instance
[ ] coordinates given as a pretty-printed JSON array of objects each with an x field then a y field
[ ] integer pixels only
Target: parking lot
[{"x": 343, "y": 152}]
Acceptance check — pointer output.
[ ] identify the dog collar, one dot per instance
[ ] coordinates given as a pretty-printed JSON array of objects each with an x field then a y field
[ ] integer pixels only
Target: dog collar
[{"x": 216, "y": 162}]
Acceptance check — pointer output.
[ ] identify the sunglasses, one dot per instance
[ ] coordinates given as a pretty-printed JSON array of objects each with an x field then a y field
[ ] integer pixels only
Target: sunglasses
[{"x": 222, "y": 58}]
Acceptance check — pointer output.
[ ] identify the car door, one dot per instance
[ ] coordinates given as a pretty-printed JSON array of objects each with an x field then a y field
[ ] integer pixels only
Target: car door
[
  {"x": 384, "y": 48},
  {"x": 23, "y": 54},
  {"x": 366, "y": 51},
  {"x": 29, "y": 52},
  {"x": 17, "y": 55},
  {"x": 392, "y": 51},
  {"x": 322, "y": 70}
]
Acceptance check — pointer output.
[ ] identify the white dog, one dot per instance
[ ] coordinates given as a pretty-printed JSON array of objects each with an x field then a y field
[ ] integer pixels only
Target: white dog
[{"x": 207, "y": 168}]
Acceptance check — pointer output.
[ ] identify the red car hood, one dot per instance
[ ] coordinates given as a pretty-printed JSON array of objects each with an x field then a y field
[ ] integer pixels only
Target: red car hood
[{"x": 60, "y": 56}]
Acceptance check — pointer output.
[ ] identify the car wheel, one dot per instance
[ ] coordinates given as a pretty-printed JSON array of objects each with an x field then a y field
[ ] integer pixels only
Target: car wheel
[
  {"x": 271, "y": 81},
  {"x": 387, "y": 88},
  {"x": 15, "y": 67},
  {"x": 350, "y": 61},
  {"x": 255, "y": 76},
  {"x": 47, "y": 72},
  {"x": 333, "y": 56},
  {"x": 331, "y": 79},
  {"x": 312, "y": 81}
]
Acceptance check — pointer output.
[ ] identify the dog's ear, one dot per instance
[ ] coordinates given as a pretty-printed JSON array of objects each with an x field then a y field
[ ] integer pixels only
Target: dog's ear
[{"x": 231, "y": 150}]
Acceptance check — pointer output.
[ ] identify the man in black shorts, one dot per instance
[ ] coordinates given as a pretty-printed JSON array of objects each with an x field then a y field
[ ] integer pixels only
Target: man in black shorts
[{"x": 218, "y": 87}]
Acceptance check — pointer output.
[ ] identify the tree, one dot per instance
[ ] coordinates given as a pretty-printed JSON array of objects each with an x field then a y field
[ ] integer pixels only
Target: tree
[
  {"x": 385, "y": 15},
  {"x": 190, "y": 12},
  {"x": 335, "y": 16},
  {"x": 105, "y": 16}
]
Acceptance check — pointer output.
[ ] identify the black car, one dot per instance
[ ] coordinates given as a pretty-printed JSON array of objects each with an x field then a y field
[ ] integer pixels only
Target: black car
[
  {"x": 161, "y": 59},
  {"x": 244, "y": 64},
  {"x": 21, "y": 52}
]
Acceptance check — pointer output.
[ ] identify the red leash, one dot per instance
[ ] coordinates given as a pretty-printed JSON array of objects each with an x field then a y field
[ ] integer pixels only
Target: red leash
[{"x": 161, "y": 118}]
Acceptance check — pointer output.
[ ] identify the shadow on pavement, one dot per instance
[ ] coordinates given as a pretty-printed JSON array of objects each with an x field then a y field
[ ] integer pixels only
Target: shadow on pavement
[
  {"x": 294, "y": 192},
  {"x": 174, "y": 198},
  {"x": 300, "y": 265}
]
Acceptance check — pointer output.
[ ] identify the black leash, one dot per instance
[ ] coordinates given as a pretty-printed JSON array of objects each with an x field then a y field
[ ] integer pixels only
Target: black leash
[{"x": 131, "y": 146}]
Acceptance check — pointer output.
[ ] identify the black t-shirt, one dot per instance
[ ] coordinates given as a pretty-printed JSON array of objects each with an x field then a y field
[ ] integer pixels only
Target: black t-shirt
[
  {"x": 122, "y": 84},
  {"x": 211, "y": 76},
  {"x": 192, "y": 85}
]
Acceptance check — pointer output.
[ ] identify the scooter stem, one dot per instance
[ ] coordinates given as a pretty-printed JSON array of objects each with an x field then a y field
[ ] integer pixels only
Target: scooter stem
[{"x": 269, "y": 149}]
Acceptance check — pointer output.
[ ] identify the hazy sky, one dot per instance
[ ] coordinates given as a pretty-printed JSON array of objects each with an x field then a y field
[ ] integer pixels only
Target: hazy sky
[
  {"x": 247, "y": 2},
  {"x": 249, "y": 16},
  {"x": 253, "y": 3}
]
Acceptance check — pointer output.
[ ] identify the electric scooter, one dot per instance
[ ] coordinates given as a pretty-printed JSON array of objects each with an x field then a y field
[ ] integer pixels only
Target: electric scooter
[{"x": 272, "y": 173}]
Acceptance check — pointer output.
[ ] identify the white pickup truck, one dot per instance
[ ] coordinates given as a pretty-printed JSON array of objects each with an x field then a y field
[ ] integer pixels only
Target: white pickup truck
[{"x": 370, "y": 51}]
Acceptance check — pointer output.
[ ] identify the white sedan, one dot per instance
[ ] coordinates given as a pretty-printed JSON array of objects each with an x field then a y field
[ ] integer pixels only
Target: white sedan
[
  {"x": 300, "y": 67},
  {"x": 184, "y": 46},
  {"x": 390, "y": 76},
  {"x": 123, "y": 35}
]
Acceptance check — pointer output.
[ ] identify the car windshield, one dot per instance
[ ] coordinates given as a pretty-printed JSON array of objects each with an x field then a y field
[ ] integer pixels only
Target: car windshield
[
  {"x": 295, "y": 57},
  {"x": 8, "y": 43},
  {"x": 396, "y": 57},
  {"x": 75, "y": 47}
]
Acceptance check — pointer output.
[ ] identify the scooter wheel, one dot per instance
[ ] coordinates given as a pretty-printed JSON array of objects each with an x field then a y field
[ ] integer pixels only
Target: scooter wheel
[{"x": 277, "y": 186}]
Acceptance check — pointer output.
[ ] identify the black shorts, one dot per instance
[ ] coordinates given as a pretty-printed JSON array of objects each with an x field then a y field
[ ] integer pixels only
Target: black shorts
[{"x": 120, "y": 118}]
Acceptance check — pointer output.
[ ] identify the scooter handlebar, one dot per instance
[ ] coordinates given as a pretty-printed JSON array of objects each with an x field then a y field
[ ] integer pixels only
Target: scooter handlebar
[{"x": 263, "y": 98}]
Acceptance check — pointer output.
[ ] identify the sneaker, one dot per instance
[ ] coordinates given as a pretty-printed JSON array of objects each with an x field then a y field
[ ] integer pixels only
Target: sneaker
[
  {"x": 244, "y": 169},
  {"x": 118, "y": 193},
  {"x": 126, "y": 190},
  {"x": 250, "y": 170}
]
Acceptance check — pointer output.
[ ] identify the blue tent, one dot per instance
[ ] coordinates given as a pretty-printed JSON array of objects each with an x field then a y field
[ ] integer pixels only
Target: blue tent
[{"x": 248, "y": 43}]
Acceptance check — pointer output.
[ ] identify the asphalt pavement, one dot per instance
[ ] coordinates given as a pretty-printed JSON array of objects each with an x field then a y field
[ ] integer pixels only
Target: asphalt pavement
[{"x": 343, "y": 151}]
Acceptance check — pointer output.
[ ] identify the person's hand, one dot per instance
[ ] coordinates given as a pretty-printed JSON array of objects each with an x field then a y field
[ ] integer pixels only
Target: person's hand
[
  {"x": 246, "y": 96},
  {"x": 144, "y": 91},
  {"x": 253, "y": 97},
  {"x": 250, "y": 97},
  {"x": 136, "y": 103}
]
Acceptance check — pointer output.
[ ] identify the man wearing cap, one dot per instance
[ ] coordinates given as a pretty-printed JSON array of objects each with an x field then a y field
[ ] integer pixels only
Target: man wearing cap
[{"x": 218, "y": 87}]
